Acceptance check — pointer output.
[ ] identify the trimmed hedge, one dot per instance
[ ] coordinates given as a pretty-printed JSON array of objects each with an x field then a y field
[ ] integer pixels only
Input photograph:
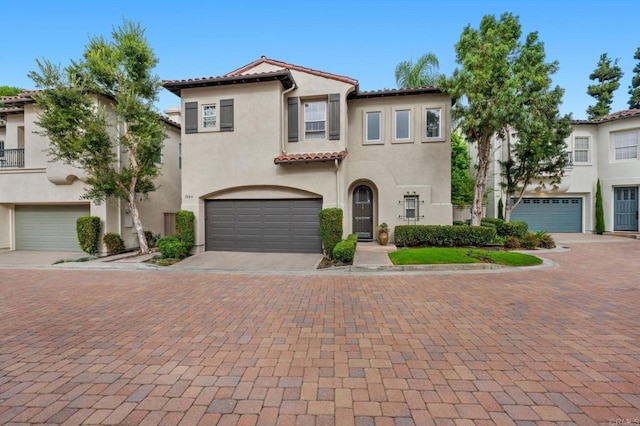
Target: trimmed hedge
[
  {"x": 330, "y": 229},
  {"x": 345, "y": 250},
  {"x": 507, "y": 229},
  {"x": 113, "y": 242},
  {"x": 185, "y": 228},
  {"x": 88, "y": 232},
  {"x": 443, "y": 235},
  {"x": 171, "y": 247}
]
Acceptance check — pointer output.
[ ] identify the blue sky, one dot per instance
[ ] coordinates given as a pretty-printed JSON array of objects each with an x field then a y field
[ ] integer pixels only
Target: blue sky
[{"x": 361, "y": 40}]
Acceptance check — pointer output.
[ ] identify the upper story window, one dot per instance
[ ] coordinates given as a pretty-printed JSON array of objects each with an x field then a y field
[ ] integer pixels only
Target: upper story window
[
  {"x": 581, "y": 149},
  {"x": 402, "y": 124},
  {"x": 373, "y": 126},
  {"x": 433, "y": 122},
  {"x": 315, "y": 120},
  {"x": 625, "y": 145},
  {"x": 209, "y": 117}
]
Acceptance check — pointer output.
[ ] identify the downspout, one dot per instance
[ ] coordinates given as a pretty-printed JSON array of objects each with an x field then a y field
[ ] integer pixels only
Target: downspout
[
  {"x": 337, "y": 164},
  {"x": 282, "y": 129}
]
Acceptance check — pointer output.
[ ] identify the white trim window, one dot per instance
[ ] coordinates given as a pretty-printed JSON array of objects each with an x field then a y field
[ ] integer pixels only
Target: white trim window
[
  {"x": 411, "y": 205},
  {"x": 625, "y": 145},
  {"x": 209, "y": 116},
  {"x": 315, "y": 120},
  {"x": 403, "y": 124},
  {"x": 433, "y": 123},
  {"x": 373, "y": 126},
  {"x": 581, "y": 149}
]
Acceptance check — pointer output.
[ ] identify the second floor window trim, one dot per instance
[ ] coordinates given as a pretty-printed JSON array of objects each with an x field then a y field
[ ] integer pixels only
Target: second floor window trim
[
  {"x": 625, "y": 145},
  {"x": 315, "y": 120},
  {"x": 581, "y": 149},
  {"x": 433, "y": 123},
  {"x": 402, "y": 124},
  {"x": 373, "y": 126},
  {"x": 209, "y": 116}
]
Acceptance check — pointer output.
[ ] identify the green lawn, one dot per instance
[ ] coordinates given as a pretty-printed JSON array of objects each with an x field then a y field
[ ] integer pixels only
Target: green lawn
[{"x": 440, "y": 255}]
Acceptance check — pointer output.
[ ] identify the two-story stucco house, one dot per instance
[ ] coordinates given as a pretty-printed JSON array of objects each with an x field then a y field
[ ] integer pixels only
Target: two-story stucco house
[
  {"x": 41, "y": 199},
  {"x": 605, "y": 149},
  {"x": 267, "y": 146}
]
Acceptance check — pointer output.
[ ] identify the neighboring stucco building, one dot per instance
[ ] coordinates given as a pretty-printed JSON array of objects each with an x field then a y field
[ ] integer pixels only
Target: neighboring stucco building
[
  {"x": 267, "y": 146},
  {"x": 41, "y": 199},
  {"x": 606, "y": 148}
]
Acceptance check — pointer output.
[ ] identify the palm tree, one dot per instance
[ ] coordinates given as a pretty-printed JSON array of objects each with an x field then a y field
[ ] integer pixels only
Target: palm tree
[{"x": 423, "y": 73}]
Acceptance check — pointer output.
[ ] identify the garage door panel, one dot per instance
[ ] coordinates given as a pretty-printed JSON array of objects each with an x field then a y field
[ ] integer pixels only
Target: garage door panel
[
  {"x": 550, "y": 214},
  {"x": 48, "y": 227},
  {"x": 264, "y": 225}
]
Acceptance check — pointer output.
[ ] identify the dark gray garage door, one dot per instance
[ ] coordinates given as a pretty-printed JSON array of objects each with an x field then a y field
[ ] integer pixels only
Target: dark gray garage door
[
  {"x": 550, "y": 214},
  {"x": 48, "y": 228},
  {"x": 280, "y": 226}
]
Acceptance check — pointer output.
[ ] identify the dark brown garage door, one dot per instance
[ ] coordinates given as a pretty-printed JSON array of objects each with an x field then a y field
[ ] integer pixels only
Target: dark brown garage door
[{"x": 279, "y": 226}]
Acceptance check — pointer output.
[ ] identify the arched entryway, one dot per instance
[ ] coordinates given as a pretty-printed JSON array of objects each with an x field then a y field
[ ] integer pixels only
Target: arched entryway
[{"x": 363, "y": 212}]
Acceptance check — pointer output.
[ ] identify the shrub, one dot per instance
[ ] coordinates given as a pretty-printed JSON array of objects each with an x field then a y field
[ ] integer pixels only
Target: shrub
[
  {"x": 546, "y": 240},
  {"x": 458, "y": 223},
  {"x": 88, "y": 232},
  {"x": 443, "y": 235},
  {"x": 506, "y": 229},
  {"x": 113, "y": 242},
  {"x": 330, "y": 229},
  {"x": 152, "y": 239},
  {"x": 171, "y": 247},
  {"x": 345, "y": 250},
  {"x": 512, "y": 243},
  {"x": 185, "y": 228},
  {"x": 599, "y": 210},
  {"x": 530, "y": 241}
]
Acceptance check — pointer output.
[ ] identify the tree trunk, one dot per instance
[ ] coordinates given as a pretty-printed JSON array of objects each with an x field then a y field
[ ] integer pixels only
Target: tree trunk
[
  {"x": 135, "y": 215},
  {"x": 484, "y": 151}
]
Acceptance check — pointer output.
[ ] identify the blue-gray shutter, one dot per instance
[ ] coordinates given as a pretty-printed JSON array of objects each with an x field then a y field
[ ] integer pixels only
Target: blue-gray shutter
[
  {"x": 292, "y": 105},
  {"x": 226, "y": 115},
  {"x": 191, "y": 117},
  {"x": 334, "y": 116}
]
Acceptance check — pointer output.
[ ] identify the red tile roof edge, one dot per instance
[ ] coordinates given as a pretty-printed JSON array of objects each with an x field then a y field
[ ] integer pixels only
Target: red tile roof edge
[
  {"x": 265, "y": 60},
  {"x": 618, "y": 115},
  {"x": 309, "y": 157}
]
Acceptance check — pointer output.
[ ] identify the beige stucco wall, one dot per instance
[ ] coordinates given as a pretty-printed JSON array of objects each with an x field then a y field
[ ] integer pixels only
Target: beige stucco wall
[
  {"x": 239, "y": 164},
  {"x": 43, "y": 181},
  {"x": 394, "y": 169}
]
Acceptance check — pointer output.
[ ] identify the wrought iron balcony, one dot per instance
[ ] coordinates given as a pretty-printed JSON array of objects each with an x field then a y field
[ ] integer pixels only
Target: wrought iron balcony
[{"x": 11, "y": 158}]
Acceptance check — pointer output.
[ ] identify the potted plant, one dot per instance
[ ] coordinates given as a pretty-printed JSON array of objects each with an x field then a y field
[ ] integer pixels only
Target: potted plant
[{"x": 383, "y": 234}]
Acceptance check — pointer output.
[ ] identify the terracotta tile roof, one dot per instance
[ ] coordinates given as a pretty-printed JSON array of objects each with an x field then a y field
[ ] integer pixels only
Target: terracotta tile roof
[
  {"x": 625, "y": 113},
  {"x": 394, "y": 92},
  {"x": 285, "y": 65},
  {"x": 310, "y": 157},
  {"x": 175, "y": 86}
]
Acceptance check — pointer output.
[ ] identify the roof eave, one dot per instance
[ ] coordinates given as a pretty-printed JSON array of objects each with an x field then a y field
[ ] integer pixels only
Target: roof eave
[{"x": 284, "y": 77}]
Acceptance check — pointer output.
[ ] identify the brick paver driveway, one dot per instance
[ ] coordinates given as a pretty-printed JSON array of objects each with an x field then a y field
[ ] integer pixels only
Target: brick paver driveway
[{"x": 560, "y": 345}]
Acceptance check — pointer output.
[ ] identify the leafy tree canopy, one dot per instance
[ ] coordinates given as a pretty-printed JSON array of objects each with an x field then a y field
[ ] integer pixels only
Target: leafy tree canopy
[
  {"x": 100, "y": 105},
  {"x": 423, "y": 73},
  {"x": 607, "y": 76},
  {"x": 634, "y": 89},
  {"x": 461, "y": 180}
]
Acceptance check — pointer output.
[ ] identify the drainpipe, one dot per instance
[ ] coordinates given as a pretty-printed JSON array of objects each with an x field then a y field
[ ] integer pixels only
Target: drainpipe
[
  {"x": 282, "y": 129},
  {"x": 337, "y": 165}
]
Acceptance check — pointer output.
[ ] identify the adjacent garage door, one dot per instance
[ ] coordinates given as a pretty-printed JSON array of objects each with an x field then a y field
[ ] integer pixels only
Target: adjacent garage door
[
  {"x": 48, "y": 228},
  {"x": 550, "y": 214},
  {"x": 263, "y": 225}
]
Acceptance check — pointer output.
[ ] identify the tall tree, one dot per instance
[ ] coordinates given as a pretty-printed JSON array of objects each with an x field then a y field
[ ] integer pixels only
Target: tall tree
[
  {"x": 607, "y": 75},
  {"x": 461, "y": 180},
  {"x": 498, "y": 77},
  {"x": 634, "y": 89},
  {"x": 423, "y": 73},
  {"x": 538, "y": 152},
  {"x": 85, "y": 133}
]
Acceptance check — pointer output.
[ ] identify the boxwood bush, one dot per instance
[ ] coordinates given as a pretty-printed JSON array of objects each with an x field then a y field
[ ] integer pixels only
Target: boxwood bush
[
  {"x": 88, "y": 232},
  {"x": 345, "y": 250},
  {"x": 507, "y": 229},
  {"x": 443, "y": 235},
  {"x": 172, "y": 248},
  {"x": 330, "y": 229},
  {"x": 113, "y": 242},
  {"x": 185, "y": 228}
]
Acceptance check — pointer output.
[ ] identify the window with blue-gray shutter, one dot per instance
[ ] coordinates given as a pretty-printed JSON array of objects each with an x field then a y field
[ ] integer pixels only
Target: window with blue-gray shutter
[
  {"x": 334, "y": 116},
  {"x": 226, "y": 115},
  {"x": 292, "y": 119},
  {"x": 191, "y": 117}
]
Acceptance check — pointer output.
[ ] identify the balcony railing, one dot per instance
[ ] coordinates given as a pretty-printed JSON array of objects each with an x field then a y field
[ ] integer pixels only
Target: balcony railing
[{"x": 11, "y": 158}]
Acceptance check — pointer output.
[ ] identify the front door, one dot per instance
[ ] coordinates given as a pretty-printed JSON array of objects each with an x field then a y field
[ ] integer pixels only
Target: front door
[
  {"x": 363, "y": 212},
  {"x": 626, "y": 209}
]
